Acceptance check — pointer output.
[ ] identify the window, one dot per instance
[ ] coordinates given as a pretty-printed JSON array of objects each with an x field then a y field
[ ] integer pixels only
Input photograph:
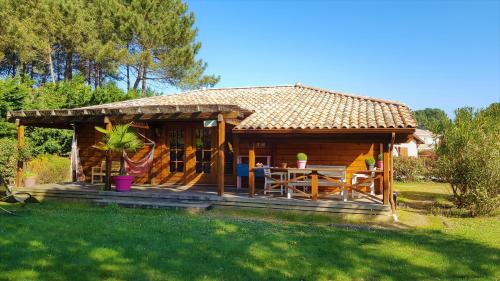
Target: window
[
  {"x": 176, "y": 139},
  {"x": 203, "y": 146}
]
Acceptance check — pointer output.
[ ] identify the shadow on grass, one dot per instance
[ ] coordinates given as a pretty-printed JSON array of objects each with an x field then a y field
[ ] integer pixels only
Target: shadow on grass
[{"x": 62, "y": 242}]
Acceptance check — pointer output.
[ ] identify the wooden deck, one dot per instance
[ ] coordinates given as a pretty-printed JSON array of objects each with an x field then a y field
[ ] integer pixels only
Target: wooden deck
[{"x": 199, "y": 198}]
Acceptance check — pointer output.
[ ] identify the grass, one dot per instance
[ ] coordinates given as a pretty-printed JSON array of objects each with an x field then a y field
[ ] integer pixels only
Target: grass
[{"x": 67, "y": 241}]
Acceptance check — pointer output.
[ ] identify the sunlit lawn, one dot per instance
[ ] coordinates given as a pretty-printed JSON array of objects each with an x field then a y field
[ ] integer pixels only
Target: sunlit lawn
[{"x": 56, "y": 241}]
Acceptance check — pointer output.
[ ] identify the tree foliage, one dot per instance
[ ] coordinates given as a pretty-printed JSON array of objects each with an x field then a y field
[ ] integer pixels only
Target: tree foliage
[
  {"x": 102, "y": 40},
  {"x": 17, "y": 93},
  {"x": 432, "y": 119},
  {"x": 469, "y": 157}
]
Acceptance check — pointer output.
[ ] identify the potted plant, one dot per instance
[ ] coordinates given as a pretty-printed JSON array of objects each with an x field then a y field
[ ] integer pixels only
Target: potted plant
[
  {"x": 370, "y": 163},
  {"x": 120, "y": 139},
  {"x": 380, "y": 161},
  {"x": 301, "y": 160},
  {"x": 29, "y": 179}
]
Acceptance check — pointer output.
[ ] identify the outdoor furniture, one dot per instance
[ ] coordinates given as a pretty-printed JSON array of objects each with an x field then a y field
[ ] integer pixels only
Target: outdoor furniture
[
  {"x": 100, "y": 172},
  {"x": 365, "y": 178},
  {"x": 302, "y": 181},
  {"x": 242, "y": 168},
  {"x": 332, "y": 176},
  {"x": 270, "y": 179},
  {"x": 298, "y": 178}
]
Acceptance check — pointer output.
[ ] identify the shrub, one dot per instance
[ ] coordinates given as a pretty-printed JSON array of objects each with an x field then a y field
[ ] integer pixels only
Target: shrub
[
  {"x": 8, "y": 159},
  {"x": 409, "y": 169},
  {"x": 50, "y": 168},
  {"x": 469, "y": 157}
]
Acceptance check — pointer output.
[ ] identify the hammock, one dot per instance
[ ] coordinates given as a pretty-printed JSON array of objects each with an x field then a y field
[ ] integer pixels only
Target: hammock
[{"x": 142, "y": 166}]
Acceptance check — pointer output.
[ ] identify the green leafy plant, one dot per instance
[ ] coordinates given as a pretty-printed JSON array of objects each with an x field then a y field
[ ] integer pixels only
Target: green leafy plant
[
  {"x": 370, "y": 160},
  {"x": 120, "y": 139},
  {"x": 301, "y": 156},
  {"x": 8, "y": 160},
  {"x": 380, "y": 157},
  {"x": 29, "y": 174},
  {"x": 469, "y": 157},
  {"x": 50, "y": 168}
]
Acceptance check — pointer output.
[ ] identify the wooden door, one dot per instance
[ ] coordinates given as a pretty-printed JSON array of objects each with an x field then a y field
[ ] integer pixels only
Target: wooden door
[{"x": 176, "y": 145}]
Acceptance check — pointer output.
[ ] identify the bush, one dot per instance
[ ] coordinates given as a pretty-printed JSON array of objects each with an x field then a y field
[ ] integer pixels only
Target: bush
[
  {"x": 409, "y": 169},
  {"x": 8, "y": 160},
  {"x": 469, "y": 157},
  {"x": 50, "y": 168}
]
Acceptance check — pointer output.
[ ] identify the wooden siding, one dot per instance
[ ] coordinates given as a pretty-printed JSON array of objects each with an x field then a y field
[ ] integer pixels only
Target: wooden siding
[
  {"x": 321, "y": 151},
  {"x": 351, "y": 154},
  {"x": 160, "y": 172}
]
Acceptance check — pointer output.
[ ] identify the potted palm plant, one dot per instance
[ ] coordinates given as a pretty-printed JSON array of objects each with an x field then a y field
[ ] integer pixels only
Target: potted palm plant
[
  {"x": 301, "y": 160},
  {"x": 370, "y": 163},
  {"x": 120, "y": 139}
]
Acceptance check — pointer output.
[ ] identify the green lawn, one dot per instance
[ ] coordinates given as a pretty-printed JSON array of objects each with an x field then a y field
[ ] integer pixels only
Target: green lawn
[{"x": 56, "y": 241}]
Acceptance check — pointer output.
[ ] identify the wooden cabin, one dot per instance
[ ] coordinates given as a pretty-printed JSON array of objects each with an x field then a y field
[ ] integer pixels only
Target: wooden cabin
[{"x": 202, "y": 135}]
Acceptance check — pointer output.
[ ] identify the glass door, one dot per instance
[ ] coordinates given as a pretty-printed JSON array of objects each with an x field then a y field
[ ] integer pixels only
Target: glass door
[{"x": 176, "y": 150}]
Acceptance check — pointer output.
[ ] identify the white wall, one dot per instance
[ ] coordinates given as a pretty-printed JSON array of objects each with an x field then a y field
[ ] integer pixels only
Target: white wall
[{"x": 411, "y": 146}]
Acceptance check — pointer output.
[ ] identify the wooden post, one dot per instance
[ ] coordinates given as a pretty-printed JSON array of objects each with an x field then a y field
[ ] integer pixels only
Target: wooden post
[
  {"x": 391, "y": 174},
  {"x": 236, "y": 152},
  {"x": 385, "y": 188},
  {"x": 20, "y": 145},
  {"x": 221, "y": 138},
  {"x": 251, "y": 166},
  {"x": 314, "y": 185},
  {"x": 380, "y": 178},
  {"x": 107, "y": 185}
]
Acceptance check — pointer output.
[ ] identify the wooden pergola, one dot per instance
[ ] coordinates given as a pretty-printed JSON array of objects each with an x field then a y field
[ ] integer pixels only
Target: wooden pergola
[{"x": 67, "y": 118}]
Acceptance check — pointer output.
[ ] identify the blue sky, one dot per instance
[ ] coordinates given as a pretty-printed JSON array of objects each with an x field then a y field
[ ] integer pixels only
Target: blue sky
[{"x": 442, "y": 54}]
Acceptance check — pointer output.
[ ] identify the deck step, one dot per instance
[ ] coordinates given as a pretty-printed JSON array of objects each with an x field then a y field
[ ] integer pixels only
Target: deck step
[
  {"x": 191, "y": 207},
  {"x": 337, "y": 209}
]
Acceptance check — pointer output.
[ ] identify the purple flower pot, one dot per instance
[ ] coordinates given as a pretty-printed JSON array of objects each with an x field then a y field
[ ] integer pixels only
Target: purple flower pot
[{"x": 123, "y": 183}]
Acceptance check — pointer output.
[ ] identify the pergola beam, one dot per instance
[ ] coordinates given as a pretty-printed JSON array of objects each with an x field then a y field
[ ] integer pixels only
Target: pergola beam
[{"x": 48, "y": 118}]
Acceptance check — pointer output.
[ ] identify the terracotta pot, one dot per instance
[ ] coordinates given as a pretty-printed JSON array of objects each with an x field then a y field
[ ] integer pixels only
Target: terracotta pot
[
  {"x": 30, "y": 182},
  {"x": 301, "y": 164},
  {"x": 123, "y": 183},
  {"x": 380, "y": 164},
  {"x": 283, "y": 165}
]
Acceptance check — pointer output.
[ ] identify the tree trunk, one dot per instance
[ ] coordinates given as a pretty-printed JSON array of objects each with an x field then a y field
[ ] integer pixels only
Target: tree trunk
[
  {"x": 144, "y": 80},
  {"x": 122, "y": 165},
  {"x": 68, "y": 66},
  {"x": 58, "y": 66},
  {"x": 128, "y": 77},
  {"x": 139, "y": 77},
  {"x": 96, "y": 75},
  {"x": 23, "y": 72},
  {"x": 87, "y": 72},
  {"x": 51, "y": 67}
]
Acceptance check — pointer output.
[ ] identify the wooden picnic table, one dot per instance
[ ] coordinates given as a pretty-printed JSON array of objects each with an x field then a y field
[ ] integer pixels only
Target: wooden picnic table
[{"x": 311, "y": 175}]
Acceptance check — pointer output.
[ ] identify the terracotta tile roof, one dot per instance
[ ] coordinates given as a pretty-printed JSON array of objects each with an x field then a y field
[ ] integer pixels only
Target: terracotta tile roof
[{"x": 292, "y": 107}]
